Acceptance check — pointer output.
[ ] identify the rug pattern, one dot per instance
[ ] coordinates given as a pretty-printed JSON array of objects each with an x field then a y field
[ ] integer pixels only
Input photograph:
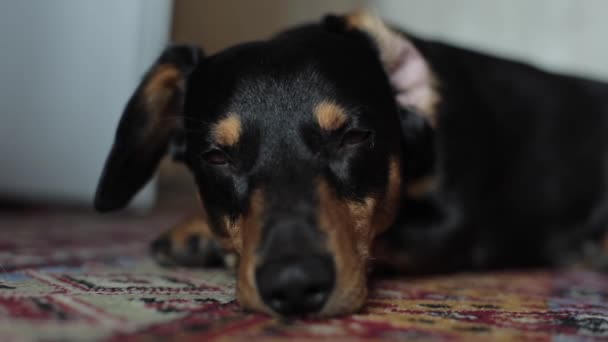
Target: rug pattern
[{"x": 76, "y": 277}]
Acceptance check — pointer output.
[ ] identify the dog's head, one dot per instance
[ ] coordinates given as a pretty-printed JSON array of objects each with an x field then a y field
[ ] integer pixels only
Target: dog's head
[{"x": 295, "y": 145}]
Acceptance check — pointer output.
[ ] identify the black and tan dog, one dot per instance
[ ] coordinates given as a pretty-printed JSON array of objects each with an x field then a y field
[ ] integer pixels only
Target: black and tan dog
[{"x": 346, "y": 142}]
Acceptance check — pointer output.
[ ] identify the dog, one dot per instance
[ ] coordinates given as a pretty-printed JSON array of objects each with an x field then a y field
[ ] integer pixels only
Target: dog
[{"x": 347, "y": 143}]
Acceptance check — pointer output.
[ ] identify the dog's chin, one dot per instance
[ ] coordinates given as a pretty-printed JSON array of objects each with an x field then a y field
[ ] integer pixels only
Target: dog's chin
[
  {"x": 345, "y": 300},
  {"x": 254, "y": 305},
  {"x": 342, "y": 302}
]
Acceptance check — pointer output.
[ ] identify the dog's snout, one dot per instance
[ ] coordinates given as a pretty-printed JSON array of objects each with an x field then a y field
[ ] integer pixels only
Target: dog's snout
[{"x": 296, "y": 286}]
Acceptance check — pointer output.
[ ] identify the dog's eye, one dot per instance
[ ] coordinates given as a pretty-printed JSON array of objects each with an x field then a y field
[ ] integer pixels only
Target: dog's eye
[
  {"x": 215, "y": 157},
  {"x": 354, "y": 137}
]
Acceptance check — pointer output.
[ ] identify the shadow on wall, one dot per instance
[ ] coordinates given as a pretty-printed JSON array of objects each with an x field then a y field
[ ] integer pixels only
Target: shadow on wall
[{"x": 218, "y": 24}]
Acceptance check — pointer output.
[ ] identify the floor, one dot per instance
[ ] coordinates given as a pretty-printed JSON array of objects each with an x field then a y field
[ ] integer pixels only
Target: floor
[{"x": 74, "y": 276}]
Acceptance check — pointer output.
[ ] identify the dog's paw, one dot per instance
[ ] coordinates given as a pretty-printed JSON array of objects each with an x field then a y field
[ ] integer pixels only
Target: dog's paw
[
  {"x": 190, "y": 244},
  {"x": 192, "y": 251}
]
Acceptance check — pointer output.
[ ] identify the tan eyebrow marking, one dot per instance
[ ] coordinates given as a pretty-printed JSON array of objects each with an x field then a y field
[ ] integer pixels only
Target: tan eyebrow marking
[
  {"x": 227, "y": 132},
  {"x": 330, "y": 116}
]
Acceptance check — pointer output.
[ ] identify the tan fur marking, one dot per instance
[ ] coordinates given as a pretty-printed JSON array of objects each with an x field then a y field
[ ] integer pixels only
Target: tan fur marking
[
  {"x": 351, "y": 227},
  {"x": 362, "y": 215},
  {"x": 245, "y": 229},
  {"x": 160, "y": 87},
  {"x": 247, "y": 232},
  {"x": 225, "y": 240},
  {"x": 195, "y": 225},
  {"x": 227, "y": 132},
  {"x": 372, "y": 24},
  {"x": 388, "y": 207},
  {"x": 163, "y": 84},
  {"x": 421, "y": 186},
  {"x": 347, "y": 226},
  {"x": 330, "y": 116}
]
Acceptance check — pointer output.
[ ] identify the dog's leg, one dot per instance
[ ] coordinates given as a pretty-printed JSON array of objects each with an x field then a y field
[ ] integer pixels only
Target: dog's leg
[
  {"x": 582, "y": 246},
  {"x": 422, "y": 240},
  {"x": 192, "y": 244},
  {"x": 592, "y": 254}
]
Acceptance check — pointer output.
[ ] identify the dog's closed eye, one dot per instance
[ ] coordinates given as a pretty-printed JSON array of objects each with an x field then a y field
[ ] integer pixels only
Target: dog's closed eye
[
  {"x": 215, "y": 157},
  {"x": 354, "y": 137}
]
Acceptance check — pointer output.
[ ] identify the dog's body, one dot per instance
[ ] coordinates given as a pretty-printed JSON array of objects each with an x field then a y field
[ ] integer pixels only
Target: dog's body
[
  {"x": 520, "y": 162},
  {"x": 342, "y": 142}
]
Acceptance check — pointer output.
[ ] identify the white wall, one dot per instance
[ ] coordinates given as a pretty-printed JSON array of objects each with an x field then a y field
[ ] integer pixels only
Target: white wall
[
  {"x": 67, "y": 68},
  {"x": 558, "y": 34}
]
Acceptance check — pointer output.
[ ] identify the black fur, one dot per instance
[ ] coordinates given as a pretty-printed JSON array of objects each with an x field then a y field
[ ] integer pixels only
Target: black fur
[
  {"x": 520, "y": 154},
  {"x": 521, "y": 157},
  {"x": 135, "y": 155},
  {"x": 274, "y": 87}
]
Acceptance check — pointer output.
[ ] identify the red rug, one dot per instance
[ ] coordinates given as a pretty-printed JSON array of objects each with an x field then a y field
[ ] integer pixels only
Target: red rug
[{"x": 76, "y": 277}]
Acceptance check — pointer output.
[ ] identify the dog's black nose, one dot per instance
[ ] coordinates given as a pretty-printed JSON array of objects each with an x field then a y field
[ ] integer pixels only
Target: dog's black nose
[{"x": 296, "y": 286}]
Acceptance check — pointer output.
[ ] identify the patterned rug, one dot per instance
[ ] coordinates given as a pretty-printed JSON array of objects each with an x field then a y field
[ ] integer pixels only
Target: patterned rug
[{"x": 83, "y": 277}]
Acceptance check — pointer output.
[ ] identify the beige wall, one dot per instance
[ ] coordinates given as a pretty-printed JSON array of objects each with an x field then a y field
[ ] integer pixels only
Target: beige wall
[{"x": 216, "y": 24}]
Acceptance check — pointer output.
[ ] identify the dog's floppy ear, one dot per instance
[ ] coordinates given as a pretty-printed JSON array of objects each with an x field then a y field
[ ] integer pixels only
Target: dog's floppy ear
[
  {"x": 410, "y": 75},
  {"x": 149, "y": 123}
]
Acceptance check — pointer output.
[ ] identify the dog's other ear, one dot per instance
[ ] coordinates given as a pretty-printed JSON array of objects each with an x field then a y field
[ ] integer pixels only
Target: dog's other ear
[
  {"x": 410, "y": 75},
  {"x": 149, "y": 122}
]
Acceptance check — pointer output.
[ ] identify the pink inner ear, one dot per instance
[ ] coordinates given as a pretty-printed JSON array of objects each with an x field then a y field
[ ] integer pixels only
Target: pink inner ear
[{"x": 411, "y": 76}]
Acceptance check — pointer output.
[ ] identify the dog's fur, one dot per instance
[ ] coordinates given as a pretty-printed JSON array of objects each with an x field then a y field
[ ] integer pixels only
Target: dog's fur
[{"x": 347, "y": 141}]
